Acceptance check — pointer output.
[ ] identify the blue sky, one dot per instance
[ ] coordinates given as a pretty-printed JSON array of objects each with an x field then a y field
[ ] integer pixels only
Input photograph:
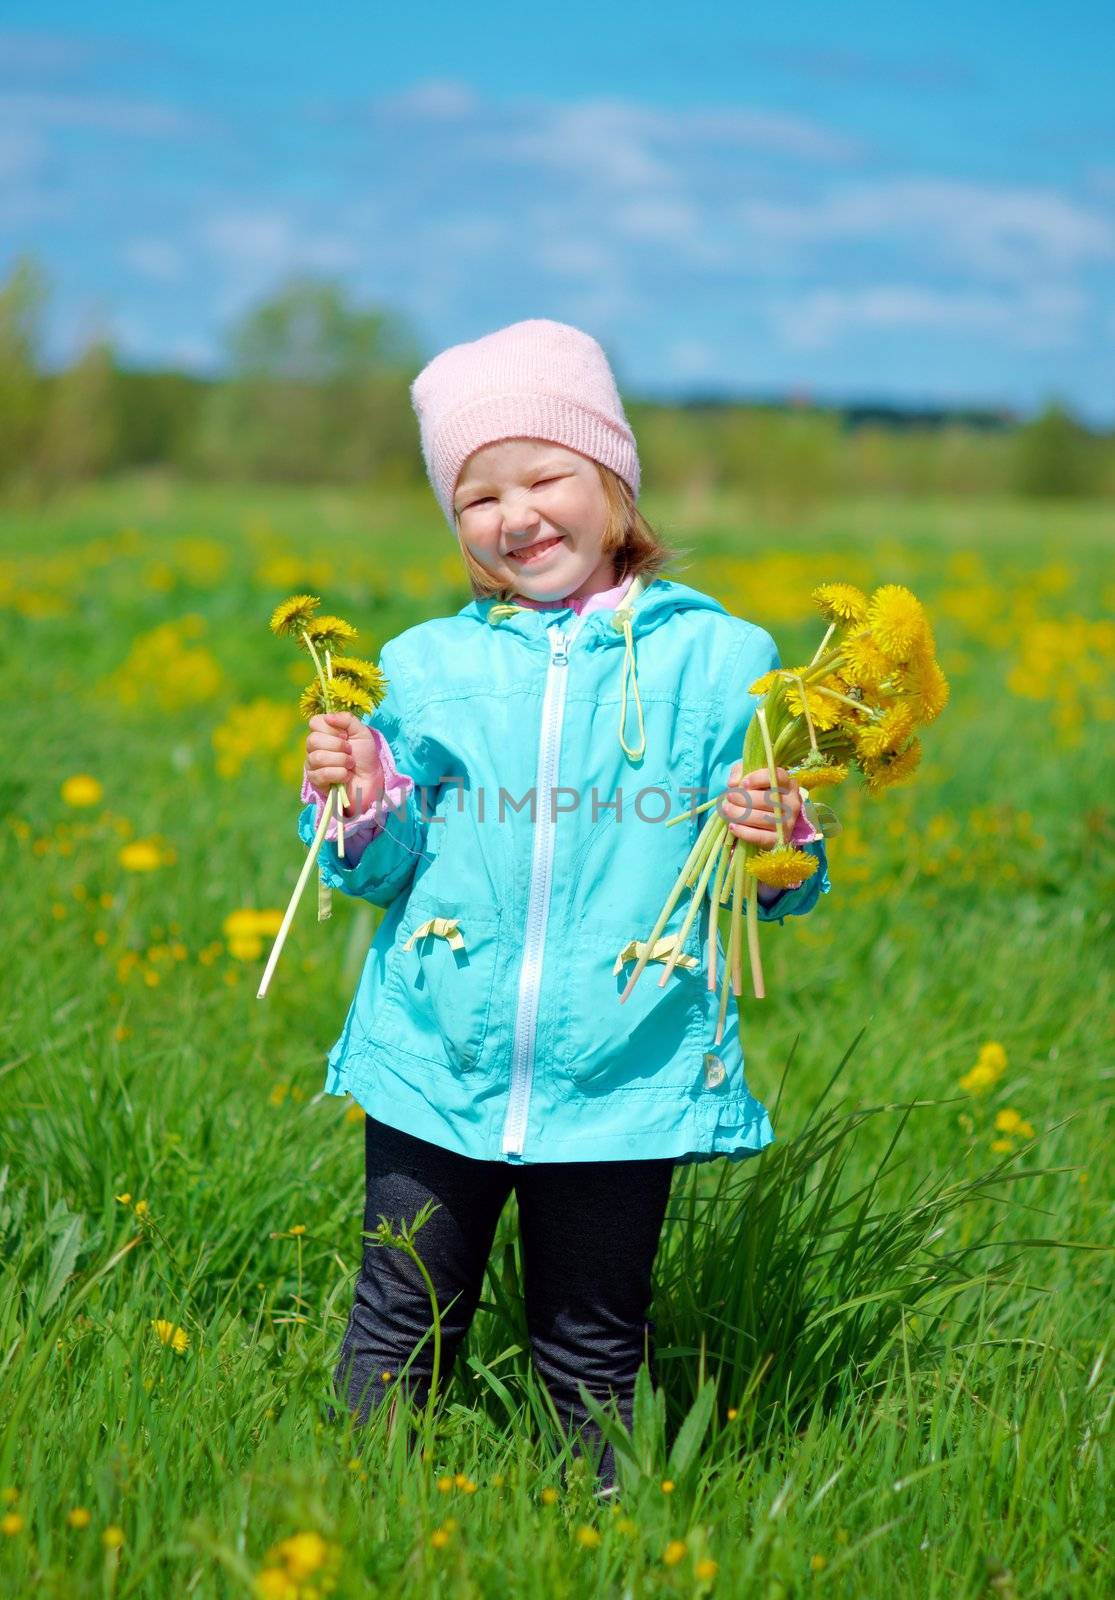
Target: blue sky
[{"x": 857, "y": 201}]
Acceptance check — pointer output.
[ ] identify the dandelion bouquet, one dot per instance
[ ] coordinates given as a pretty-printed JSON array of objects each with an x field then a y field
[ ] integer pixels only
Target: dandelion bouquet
[
  {"x": 342, "y": 682},
  {"x": 873, "y": 679}
]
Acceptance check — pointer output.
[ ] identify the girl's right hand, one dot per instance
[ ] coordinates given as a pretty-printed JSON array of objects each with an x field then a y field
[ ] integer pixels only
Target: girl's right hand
[{"x": 340, "y": 748}]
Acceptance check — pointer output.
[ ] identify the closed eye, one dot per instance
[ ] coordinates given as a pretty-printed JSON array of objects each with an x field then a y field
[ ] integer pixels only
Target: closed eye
[{"x": 484, "y": 500}]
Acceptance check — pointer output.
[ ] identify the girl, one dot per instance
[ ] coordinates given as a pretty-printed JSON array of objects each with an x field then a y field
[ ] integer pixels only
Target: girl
[{"x": 504, "y": 804}]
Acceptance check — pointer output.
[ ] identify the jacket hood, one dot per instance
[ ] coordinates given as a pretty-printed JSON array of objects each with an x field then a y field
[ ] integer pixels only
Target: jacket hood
[{"x": 647, "y": 605}]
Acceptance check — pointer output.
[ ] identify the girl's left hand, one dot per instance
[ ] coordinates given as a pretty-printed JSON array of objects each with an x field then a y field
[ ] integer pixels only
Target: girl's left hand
[{"x": 749, "y": 805}]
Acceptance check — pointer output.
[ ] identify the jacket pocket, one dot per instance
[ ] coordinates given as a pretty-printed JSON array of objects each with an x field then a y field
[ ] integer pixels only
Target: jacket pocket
[
  {"x": 654, "y": 1039},
  {"x": 437, "y": 1000}
]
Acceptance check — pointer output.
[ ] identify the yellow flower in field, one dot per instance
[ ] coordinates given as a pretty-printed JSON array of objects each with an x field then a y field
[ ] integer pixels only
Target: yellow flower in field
[
  {"x": 246, "y": 929},
  {"x": 82, "y": 790},
  {"x": 840, "y": 602},
  {"x": 302, "y": 1554},
  {"x": 8, "y": 1496},
  {"x": 817, "y": 1563},
  {"x": 170, "y": 1334},
  {"x": 782, "y": 866},
  {"x": 299, "y": 1227},
  {"x": 705, "y": 1568},
  {"x": 441, "y": 1536},
  {"x": 272, "y": 1583},
  {"x": 144, "y": 855},
  {"x": 141, "y": 1208},
  {"x": 732, "y": 1413},
  {"x": 291, "y": 616},
  {"x": 588, "y": 1536},
  {"x": 549, "y": 1496},
  {"x": 989, "y": 1068},
  {"x": 1008, "y": 1121},
  {"x": 667, "y": 1486},
  {"x": 113, "y": 1537},
  {"x": 675, "y": 1551},
  {"x": 898, "y": 623},
  {"x": 125, "y": 1199},
  {"x": 444, "y": 1483},
  {"x": 354, "y": 1112},
  {"x": 331, "y": 633},
  {"x": 1002, "y": 1146},
  {"x": 79, "y": 1517},
  {"x": 892, "y": 767},
  {"x": 10, "y": 1523}
]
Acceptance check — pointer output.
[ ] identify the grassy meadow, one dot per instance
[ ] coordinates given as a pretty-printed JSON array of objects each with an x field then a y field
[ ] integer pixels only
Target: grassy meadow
[{"x": 889, "y": 1337}]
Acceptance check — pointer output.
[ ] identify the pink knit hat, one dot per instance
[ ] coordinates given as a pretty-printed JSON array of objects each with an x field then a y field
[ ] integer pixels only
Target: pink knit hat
[{"x": 531, "y": 380}]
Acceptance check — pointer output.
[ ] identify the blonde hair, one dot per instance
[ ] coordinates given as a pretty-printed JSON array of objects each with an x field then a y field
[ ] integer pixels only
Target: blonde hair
[{"x": 635, "y": 547}]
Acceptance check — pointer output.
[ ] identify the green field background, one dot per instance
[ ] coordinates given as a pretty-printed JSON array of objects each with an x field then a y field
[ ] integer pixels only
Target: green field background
[{"x": 905, "y": 1303}]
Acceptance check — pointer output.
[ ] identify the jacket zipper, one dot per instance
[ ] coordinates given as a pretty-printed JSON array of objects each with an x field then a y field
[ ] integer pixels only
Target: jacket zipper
[{"x": 538, "y": 902}]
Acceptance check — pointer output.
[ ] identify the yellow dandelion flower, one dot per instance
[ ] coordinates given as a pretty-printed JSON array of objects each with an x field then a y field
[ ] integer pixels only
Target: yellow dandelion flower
[
  {"x": 82, "y": 790},
  {"x": 989, "y": 1068},
  {"x": 732, "y": 1413},
  {"x": 302, "y": 1554},
  {"x": 441, "y": 1537},
  {"x": 140, "y": 855},
  {"x": 365, "y": 673},
  {"x": 11, "y": 1523},
  {"x": 349, "y": 696},
  {"x": 822, "y": 776},
  {"x": 1002, "y": 1146},
  {"x": 125, "y": 1199},
  {"x": 675, "y": 1551},
  {"x": 840, "y": 602},
  {"x": 272, "y": 1583},
  {"x": 549, "y": 1497},
  {"x": 176, "y": 1338},
  {"x": 113, "y": 1537},
  {"x": 705, "y": 1568},
  {"x": 925, "y": 686},
  {"x": 818, "y": 1563},
  {"x": 141, "y": 1208},
  {"x": 1008, "y": 1121},
  {"x": 291, "y": 616},
  {"x": 667, "y": 1486},
  {"x": 898, "y": 623},
  {"x": 892, "y": 767},
  {"x": 79, "y": 1517},
  {"x": 588, "y": 1537},
  {"x": 311, "y": 702},
  {"x": 626, "y": 1526},
  {"x": 824, "y": 711},
  {"x": 764, "y": 684},
  {"x": 884, "y": 733},
  {"x": 782, "y": 866},
  {"x": 863, "y": 664},
  {"x": 444, "y": 1484},
  {"x": 331, "y": 633},
  {"x": 8, "y": 1496}
]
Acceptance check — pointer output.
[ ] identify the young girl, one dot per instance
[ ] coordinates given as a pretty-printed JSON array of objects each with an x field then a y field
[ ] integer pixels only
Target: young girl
[{"x": 504, "y": 808}]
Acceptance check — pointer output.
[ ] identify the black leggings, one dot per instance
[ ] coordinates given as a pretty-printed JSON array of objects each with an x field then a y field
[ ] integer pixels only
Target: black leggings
[{"x": 589, "y": 1232}]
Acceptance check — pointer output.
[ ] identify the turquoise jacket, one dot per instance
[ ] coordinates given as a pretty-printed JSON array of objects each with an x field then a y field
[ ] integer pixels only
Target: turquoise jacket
[{"x": 547, "y": 751}]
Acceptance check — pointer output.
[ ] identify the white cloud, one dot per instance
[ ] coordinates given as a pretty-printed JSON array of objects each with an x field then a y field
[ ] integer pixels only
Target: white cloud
[
  {"x": 103, "y": 113},
  {"x": 1044, "y": 318},
  {"x": 271, "y": 240},
  {"x": 157, "y": 259},
  {"x": 993, "y": 230}
]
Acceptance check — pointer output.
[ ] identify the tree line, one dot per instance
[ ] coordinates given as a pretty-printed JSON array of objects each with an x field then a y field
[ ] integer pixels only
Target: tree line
[{"x": 315, "y": 388}]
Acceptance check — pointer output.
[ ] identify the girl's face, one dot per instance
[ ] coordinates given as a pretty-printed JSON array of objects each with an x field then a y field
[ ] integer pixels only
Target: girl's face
[{"x": 534, "y": 514}]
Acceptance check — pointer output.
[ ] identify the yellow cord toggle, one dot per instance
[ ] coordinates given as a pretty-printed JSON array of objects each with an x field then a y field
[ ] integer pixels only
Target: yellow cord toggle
[
  {"x": 443, "y": 928},
  {"x": 502, "y": 608},
  {"x": 622, "y": 620},
  {"x": 663, "y": 950}
]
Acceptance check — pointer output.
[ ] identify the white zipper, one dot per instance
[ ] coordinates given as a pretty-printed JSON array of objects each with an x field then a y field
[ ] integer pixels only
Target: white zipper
[{"x": 538, "y": 902}]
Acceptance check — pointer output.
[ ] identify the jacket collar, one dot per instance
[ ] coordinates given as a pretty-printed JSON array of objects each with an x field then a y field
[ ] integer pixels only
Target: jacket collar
[{"x": 656, "y": 601}]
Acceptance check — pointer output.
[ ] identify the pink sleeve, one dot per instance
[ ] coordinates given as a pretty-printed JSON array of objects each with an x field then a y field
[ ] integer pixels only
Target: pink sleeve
[
  {"x": 803, "y": 832},
  {"x": 362, "y": 829}
]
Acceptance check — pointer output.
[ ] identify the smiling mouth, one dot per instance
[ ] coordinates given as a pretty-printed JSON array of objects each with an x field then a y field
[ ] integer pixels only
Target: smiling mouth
[{"x": 532, "y": 552}]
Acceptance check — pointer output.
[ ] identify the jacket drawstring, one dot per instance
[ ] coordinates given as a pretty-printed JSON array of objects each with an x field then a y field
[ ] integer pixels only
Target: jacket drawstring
[{"x": 621, "y": 621}]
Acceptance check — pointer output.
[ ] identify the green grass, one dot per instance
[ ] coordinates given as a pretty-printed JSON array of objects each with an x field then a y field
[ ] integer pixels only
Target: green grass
[{"x": 910, "y": 1326}]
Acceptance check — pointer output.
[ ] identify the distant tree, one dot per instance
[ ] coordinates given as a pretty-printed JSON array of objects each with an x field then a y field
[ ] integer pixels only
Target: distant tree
[
  {"x": 82, "y": 436},
  {"x": 22, "y": 392},
  {"x": 1055, "y": 456},
  {"x": 317, "y": 389}
]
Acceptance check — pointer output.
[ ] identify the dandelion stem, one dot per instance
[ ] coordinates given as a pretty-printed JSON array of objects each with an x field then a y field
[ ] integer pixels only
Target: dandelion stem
[{"x": 307, "y": 865}]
